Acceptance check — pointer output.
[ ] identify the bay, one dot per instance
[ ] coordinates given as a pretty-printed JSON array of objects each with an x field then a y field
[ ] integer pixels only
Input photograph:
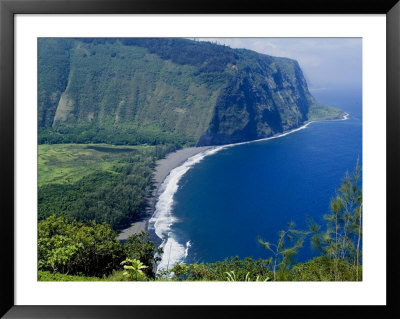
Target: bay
[{"x": 228, "y": 199}]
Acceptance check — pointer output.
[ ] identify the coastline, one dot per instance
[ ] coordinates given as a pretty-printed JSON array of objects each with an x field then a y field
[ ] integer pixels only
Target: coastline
[
  {"x": 163, "y": 168},
  {"x": 173, "y": 160}
]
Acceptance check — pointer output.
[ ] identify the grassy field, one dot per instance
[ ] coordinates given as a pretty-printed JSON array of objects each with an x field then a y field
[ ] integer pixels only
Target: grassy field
[
  {"x": 68, "y": 163},
  {"x": 321, "y": 112}
]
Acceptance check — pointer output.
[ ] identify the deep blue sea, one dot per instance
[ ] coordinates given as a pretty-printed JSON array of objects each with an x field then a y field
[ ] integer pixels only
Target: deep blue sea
[{"x": 228, "y": 199}]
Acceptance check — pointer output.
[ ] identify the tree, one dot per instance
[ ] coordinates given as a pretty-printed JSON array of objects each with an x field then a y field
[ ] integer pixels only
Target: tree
[
  {"x": 282, "y": 255},
  {"x": 76, "y": 248},
  {"x": 62, "y": 253},
  {"x": 343, "y": 235},
  {"x": 323, "y": 268},
  {"x": 140, "y": 247}
]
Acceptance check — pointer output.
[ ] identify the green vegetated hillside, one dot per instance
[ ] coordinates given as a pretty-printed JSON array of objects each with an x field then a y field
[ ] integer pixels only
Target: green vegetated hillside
[{"x": 166, "y": 91}]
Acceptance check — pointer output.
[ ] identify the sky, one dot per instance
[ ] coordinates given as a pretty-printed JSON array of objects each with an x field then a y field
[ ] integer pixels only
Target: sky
[{"x": 326, "y": 62}]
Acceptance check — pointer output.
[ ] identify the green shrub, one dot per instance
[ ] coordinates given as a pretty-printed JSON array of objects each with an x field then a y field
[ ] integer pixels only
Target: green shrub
[
  {"x": 75, "y": 248},
  {"x": 324, "y": 269},
  {"x": 48, "y": 276},
  {"x": 216, "y": 271}
]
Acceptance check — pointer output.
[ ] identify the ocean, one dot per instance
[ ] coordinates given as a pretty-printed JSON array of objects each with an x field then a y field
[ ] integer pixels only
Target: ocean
[{"x": 219, "y": 202}]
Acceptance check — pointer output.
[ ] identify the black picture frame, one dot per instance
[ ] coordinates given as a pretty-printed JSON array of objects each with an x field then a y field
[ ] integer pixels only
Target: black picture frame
[{"x": 8, "y": 8}]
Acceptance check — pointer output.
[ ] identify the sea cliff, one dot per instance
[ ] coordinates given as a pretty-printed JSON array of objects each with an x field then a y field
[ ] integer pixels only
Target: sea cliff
[{"x": 163, "y": 91}]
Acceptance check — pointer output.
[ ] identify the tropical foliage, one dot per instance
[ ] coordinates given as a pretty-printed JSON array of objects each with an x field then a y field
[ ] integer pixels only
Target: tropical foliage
[
  {"x": 217, "y": 271},
  {"x": 75, "y": 248},
  {"x": 134, "y": 269},
  {"x": 92, "y": 250}
]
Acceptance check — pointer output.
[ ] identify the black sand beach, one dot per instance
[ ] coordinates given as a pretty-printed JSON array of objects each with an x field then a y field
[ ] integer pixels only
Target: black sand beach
[{"x": 163, "y": 168}]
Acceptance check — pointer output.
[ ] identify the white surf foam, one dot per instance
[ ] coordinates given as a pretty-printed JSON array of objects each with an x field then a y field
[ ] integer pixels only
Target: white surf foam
[
  {"x": 188, "y": 245},
  {"x": 162, "y": 219}
]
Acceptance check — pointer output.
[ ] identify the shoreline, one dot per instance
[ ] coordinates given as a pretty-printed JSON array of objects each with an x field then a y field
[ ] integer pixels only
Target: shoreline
[
  {"x": 162, "y": 169},
  {"x": 173, "y": 160}
]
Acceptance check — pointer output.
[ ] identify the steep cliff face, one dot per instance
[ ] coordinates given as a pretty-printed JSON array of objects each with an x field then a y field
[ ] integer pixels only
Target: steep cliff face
[
  {"x": 204, "y": 93},
  {"x": 260, "y": 102},
  {"x": 53, "y": 71}
]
